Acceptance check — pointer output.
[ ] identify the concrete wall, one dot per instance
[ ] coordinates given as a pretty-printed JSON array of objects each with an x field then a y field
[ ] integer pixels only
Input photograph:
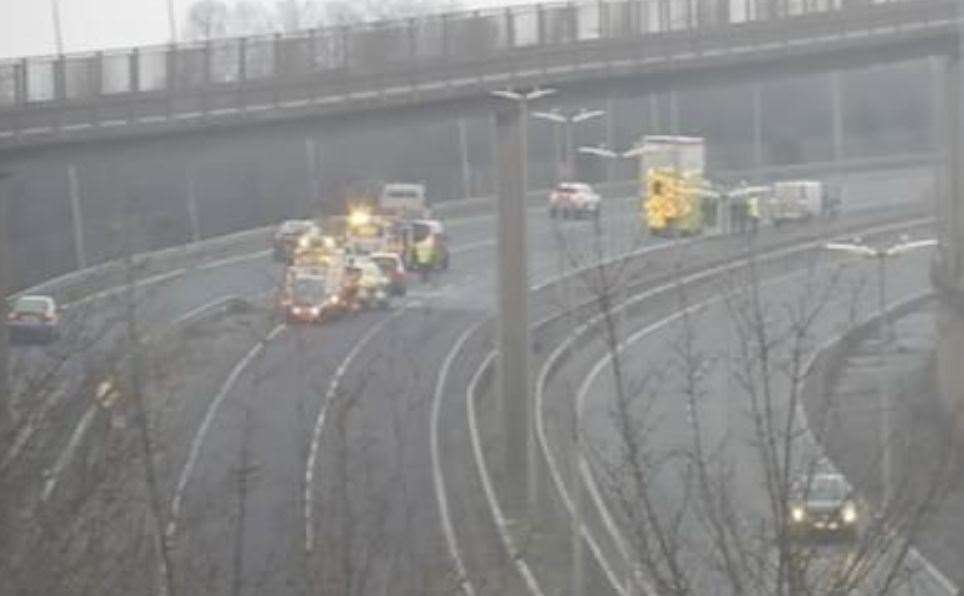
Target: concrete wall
[{"x": 136, "y": 193}]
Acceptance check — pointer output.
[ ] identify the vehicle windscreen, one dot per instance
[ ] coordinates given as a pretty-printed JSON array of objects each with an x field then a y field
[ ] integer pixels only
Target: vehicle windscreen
[
  {"x": 309, "y": 290},
  {"x": 31, "y": 306},
  {"x": 827, "y": 488}
]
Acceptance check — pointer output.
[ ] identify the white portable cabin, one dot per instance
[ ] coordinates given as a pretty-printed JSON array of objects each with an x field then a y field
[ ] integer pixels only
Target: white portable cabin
[{"x": 685, "y": 155}]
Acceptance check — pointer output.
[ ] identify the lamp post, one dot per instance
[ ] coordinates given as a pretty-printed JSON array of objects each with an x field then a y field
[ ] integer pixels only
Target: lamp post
[
  {"x": 172, "y": 20},
  {"x": 513, "y": 381},
  {"x": 882, "y": 256},
  {"x": 58, "y": 31},
  {"x": 568, "y": 123},
  {"x": 5, "y": 287}
]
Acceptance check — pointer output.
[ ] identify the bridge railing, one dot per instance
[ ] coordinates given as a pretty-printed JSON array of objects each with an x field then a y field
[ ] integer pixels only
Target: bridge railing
[{"x": 258, "y": 72}]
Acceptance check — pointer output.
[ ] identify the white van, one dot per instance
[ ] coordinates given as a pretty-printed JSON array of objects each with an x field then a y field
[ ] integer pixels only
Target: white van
[{"x": 795, "y": 200}]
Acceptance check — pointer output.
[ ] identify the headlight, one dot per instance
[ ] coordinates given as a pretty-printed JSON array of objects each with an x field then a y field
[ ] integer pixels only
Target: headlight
[
  {"x": 797, "y": 513},
  {"x": 849, "y": 513},
  {"x": 315, "y": 311},
  {"x": 334, "y": 299},
  {"x": 303, "y": 242},
  {"x": 297, "y": 310}
]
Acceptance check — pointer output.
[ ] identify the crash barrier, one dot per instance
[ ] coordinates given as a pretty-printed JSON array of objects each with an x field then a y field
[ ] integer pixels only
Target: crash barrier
[{"x": 158, "y": 264}]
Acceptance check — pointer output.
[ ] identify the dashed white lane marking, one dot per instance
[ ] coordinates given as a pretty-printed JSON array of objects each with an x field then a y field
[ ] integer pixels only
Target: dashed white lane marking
[
  {"x": 53, "y": 475},
  {"x": 202, "y": 432},
  {"x": 441, "y": 495},
  {"x": 333, "y": 386}
]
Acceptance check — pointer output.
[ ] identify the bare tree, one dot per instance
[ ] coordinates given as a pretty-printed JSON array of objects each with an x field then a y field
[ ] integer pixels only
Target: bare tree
[
  {"x": 691, "y": 518},
  {"x": 207, "y": 19}
]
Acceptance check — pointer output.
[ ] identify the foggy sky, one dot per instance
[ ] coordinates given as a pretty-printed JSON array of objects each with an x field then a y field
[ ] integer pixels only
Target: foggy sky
[{"x": 26, "y": 25}]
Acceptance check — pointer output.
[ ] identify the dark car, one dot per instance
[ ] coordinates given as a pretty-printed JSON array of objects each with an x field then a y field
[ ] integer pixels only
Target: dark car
[
  {"x": 822, "y": 504},
  {"x": 34, "y": 318}
]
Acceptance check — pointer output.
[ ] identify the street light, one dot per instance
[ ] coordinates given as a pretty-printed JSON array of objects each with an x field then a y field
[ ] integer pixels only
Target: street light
[
  {"x": 603, "y": 151},
  {"x": 513, "y": 335},
  {"x": 5, "y": 287},
  {"x": 58, "y": 34},
  {"x": 172, "y": 20},
  {"x": 568, "y": 122},
  {"x": 882, "y": 255}
]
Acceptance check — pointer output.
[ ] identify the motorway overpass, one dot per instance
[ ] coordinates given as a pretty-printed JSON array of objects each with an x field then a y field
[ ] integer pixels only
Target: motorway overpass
[{"x": 427, "y": 62}]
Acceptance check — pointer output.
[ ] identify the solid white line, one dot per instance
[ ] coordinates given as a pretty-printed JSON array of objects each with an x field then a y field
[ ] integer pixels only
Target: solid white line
[
  {"x": 67, "y": 454},
  {"x": 204, "y": 307},
  {"x": 508, "y": 542},
  {"x": 437, "y": 475},
  {"x": 250, "y": 256},
  {"x": 320, "y": 422},
  {"x": 201, "y": 434},
  {"x": 118, "y": 289}
]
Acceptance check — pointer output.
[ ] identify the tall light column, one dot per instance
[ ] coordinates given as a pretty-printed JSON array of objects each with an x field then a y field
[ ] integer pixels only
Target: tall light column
[{"x": 513, "y": 382}]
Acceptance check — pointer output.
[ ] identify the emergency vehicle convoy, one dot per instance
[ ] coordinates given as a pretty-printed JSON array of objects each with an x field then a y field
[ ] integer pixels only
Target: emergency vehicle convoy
[
  {"x": 677, "y": 199},
  {"x": 672, "y": 185},
  {"x": 359, "y": 259}
]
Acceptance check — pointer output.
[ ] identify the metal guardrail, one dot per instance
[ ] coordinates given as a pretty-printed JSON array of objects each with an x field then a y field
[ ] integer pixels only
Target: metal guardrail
[
  {"x": 433, "y": 57},
  {"x": 160, "y": 264}
]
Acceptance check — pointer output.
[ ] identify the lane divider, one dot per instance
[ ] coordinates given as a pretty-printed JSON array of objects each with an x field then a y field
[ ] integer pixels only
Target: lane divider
[
  {"x": 330, "y": 394},
  {"x": 441, "y": 496},
  {"x": 209, "y": 415},
  {"x": 508, "y": 542}
]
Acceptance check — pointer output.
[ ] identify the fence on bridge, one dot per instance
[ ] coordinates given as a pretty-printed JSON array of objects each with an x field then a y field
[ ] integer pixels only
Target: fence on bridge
[{"x": 233, "y": 73}]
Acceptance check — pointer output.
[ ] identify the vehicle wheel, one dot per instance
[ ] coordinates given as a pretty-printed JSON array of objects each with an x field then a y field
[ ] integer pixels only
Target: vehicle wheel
[
  {"x": 552, "y": 213},
  {"x": 566, "y": 214},
  {"x": 445, "y": 262}
]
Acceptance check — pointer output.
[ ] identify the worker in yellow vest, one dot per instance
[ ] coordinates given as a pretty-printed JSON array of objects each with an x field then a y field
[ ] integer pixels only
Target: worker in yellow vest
[
  {"x": 425, "y": 257},
  {"x": 753, "y": 212}
]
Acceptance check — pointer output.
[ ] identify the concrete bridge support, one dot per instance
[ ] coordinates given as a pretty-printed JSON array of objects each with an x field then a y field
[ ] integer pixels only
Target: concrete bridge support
[
  {"x": 947, "y": 272},
  {"x": 757, "y": 125},
  {"x": 836, "y": 107}
]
